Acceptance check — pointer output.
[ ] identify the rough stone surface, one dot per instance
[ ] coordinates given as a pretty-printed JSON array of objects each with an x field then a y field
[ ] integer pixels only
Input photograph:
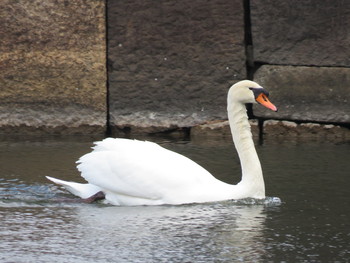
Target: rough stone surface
[
  {"x": 52, "y": 64},
  {"x": 289, "y": 130},
  {"x": 305, "y": 33},
  {"x": 220, "y": 128},
  {"x": 171, "y": 62},
  {"x": 317, "y": 94}
]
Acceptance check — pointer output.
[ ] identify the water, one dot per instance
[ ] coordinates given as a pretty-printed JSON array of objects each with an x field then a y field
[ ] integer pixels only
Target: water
[{"x": 309, "y": 224}]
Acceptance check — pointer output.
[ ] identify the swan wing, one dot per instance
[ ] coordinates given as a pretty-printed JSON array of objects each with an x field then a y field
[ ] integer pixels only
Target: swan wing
[{"x": 142, "y": 170}]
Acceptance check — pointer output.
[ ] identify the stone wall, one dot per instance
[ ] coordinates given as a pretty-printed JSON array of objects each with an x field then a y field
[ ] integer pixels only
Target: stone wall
[
  {"x": 170, "y": 63},
  {"x": 307, "y": 33},
  {"x": 52, "y": 66},
  {"x": 313, "y": 94},
  {"x": 305, "y": 52}
]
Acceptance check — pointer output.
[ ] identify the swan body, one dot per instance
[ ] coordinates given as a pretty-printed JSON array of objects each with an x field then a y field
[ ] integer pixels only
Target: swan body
[{"x": 133, "y": 172}]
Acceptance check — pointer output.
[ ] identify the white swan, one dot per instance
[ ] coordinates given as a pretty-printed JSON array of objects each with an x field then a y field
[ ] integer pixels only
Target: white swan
[{"x": 132, "y": 172}]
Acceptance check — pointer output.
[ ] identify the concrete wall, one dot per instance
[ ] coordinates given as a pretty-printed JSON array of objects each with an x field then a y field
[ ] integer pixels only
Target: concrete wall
[{"x": 170, "y": 63}]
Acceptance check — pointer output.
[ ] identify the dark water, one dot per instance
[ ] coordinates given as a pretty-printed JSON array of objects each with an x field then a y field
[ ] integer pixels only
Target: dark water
[{"x": 309, "y": 224}]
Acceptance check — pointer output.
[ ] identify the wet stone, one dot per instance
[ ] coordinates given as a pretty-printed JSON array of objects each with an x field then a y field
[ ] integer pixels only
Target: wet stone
[
  {"x": 220, "y": 129},
  {"x": 291, "y": 130}
]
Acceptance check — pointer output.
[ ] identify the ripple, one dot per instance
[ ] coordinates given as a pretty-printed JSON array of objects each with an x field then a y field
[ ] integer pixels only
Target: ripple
[
  {"x": 15, "y": 193},
  {"x": 267, "y": 201}
]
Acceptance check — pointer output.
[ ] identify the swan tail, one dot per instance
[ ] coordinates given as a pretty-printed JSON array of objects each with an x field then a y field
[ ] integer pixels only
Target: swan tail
[{"x": 80, "y": 190}]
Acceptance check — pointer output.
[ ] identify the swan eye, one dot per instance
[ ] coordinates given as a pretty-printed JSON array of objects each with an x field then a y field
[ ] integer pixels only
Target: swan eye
[
  {"x": 267, "y": 94},
  {"x": 258, "y": 91}
]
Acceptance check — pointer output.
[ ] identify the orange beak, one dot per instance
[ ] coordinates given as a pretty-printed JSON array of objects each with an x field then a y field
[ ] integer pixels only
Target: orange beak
[{"x": 263, "y": 100}]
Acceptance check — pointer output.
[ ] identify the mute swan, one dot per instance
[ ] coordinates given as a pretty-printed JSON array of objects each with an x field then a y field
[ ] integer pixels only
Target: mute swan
[{"x": 132, "y": 172}]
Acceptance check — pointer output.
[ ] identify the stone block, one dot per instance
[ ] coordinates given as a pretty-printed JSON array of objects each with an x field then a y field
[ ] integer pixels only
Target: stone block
[
  {"x": 220, "y": 129},
  {"x": 171, "y": 62},
  {"x": 285, "y": 130},
  {"x": 52, "y": 65},
  {"x": 317, "y": 94},
  {"x": 301, "y": 33}
]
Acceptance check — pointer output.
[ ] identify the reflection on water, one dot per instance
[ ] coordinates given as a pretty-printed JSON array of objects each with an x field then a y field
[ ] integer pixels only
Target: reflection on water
[
  {"x": 93, "y": 233},
  {"x": 191, "y": 233},
  {"x": 310, "y": 225}
]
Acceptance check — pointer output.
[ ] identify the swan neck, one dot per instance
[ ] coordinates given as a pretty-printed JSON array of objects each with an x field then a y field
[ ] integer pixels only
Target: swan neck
[{"x": 244, "y": 144}]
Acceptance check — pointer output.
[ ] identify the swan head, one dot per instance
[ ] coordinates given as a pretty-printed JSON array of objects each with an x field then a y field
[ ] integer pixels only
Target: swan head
[{"x": 247, "y": 91}]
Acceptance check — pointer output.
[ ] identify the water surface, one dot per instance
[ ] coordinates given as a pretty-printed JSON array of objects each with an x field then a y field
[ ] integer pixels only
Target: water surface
[{"x": 310, "y": 224}]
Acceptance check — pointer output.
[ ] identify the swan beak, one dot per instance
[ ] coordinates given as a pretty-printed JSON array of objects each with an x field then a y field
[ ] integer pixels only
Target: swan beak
[{"x": 263, "y": 100}]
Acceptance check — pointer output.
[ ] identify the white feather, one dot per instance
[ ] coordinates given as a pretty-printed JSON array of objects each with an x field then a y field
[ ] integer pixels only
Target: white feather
[{"x": 81, "y": 190}]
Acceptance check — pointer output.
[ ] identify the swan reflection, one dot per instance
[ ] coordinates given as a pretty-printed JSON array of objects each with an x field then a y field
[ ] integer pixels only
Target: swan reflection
[{"x": 202, "y": 232}]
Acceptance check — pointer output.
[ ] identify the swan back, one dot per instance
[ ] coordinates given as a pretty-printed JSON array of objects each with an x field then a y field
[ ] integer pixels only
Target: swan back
[{"x": 136, "y": 172}]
